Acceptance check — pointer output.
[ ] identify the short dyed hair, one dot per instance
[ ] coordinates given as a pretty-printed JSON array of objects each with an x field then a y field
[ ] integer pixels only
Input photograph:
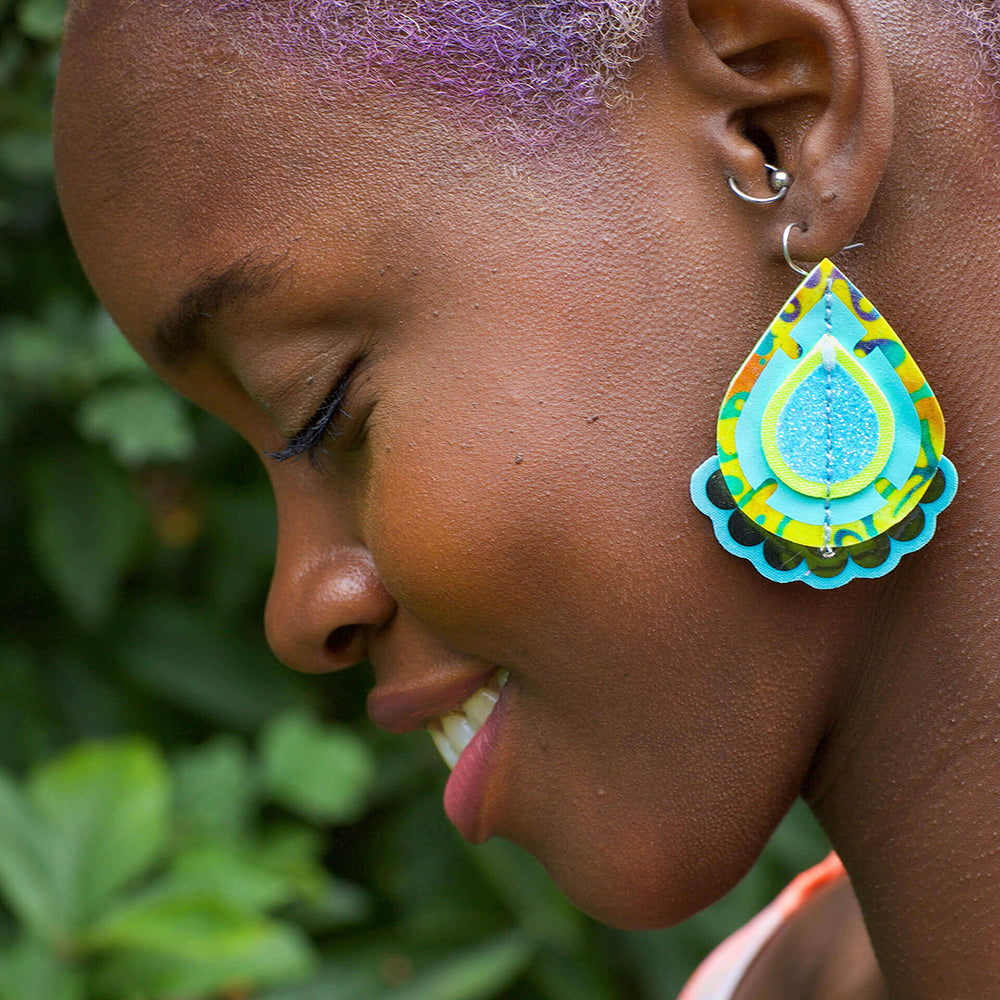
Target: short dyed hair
[
  {"x": 980, "y": 21},
  {"x": 525, "y": 70},
  {"x": 528, "y": 72}
]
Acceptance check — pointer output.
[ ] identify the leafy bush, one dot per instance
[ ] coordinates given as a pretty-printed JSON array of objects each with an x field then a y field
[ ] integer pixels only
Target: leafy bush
[
  {"x": 180, "y": 817},
  {"x": 131, "y": 878}
]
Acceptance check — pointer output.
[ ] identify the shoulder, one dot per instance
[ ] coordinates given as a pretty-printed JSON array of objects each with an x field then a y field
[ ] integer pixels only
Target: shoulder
[{"x": 810, "y": 942}]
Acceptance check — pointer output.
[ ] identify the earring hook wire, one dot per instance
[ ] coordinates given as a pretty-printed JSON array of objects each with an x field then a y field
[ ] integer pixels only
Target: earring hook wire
[
  {"x": 788, "y": 254},
  {"x": 784, "y": 246}
]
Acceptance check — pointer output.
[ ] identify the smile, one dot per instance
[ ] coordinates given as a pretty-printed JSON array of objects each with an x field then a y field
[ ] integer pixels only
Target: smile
[{"x": 454, "y": 731}]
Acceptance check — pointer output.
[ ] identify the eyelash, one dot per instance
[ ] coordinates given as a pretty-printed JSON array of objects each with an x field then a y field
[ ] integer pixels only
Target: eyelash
[{"x": 322, "y": 424}]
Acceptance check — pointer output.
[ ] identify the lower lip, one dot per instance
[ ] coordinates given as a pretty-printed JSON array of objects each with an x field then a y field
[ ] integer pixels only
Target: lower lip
[{"x": 465, "y": 793}]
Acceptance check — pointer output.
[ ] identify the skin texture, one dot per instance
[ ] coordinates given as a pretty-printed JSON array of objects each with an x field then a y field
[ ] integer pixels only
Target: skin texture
[{"x": 541, "y": 349}]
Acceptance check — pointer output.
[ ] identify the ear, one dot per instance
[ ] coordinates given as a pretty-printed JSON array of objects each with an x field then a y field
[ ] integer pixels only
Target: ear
[{"x": 801, "y": 84}]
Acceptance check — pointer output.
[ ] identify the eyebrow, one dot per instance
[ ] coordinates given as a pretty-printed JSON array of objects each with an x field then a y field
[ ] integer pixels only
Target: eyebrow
[{"x": 180, "y": 334}]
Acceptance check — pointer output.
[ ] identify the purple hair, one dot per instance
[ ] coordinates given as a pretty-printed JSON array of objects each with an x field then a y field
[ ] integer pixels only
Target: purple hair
[{"x": 528, "y": 70}]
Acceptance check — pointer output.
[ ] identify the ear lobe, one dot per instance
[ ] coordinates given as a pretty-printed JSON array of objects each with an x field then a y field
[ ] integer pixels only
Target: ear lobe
[{"x": 805, "y": 82}]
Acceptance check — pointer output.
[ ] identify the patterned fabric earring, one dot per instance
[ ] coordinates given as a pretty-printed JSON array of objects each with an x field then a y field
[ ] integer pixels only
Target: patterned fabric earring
[{"x": 830, "y": 443}]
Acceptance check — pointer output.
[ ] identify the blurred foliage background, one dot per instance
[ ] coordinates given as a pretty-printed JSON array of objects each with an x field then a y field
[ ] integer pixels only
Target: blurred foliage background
[{"x": 180, "y": 816}]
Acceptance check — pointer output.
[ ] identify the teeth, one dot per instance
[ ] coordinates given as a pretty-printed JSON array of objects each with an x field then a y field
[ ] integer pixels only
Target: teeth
[
  {"x": 458, "y": 729},
  {"x": 479, "y": 706},
  {"x": 453, "y": 732},
  {"x": 445, "y": 748}
]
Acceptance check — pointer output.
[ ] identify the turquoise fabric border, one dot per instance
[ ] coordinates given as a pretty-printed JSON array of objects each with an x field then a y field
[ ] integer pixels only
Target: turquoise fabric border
[{"x": 852, "y": 571}]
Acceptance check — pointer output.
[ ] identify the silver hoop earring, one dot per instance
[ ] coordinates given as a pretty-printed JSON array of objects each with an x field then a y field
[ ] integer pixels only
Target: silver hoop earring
[{"x": 780, "y": 181}]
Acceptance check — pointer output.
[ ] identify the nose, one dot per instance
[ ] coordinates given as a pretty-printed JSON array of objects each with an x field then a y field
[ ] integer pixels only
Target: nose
[{"x": 325, "y": 602}]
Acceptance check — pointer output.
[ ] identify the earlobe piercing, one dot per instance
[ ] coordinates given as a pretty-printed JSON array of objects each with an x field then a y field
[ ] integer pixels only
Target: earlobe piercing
[{"x": 779, "y": 180}]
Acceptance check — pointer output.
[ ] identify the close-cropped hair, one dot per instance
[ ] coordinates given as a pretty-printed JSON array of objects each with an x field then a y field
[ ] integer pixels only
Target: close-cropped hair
[
  {"x": 980, "y": 21},
  {"x": 525, "y": 68}
]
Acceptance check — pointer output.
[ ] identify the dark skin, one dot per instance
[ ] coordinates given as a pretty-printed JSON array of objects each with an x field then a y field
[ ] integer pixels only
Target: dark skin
[{"x": 665, "y": 703}]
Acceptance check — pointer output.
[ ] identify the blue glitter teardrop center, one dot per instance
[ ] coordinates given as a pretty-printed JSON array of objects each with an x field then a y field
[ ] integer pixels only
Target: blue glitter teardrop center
[{"x": 828, "y": 430}]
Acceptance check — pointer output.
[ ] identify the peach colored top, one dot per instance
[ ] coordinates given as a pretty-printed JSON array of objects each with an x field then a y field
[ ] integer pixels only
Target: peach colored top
[{"x": 722, "y": 972}]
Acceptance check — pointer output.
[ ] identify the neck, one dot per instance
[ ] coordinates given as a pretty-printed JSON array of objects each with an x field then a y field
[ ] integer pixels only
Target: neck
[
  {"x": 911, "y": 802},
  {"x": 906, "y": 783}
]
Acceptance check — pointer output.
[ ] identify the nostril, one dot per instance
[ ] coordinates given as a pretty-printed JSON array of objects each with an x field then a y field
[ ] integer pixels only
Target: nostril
[{"x": 343, "y": 640}]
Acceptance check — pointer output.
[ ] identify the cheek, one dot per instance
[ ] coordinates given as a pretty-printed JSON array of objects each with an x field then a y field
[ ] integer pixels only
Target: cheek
[
  {"x": 458, "y": 528},
  {"x": 659, "y": 736},
  {"x": 649, "y": 760},
  {"x": 516, "y": 520},
  {"x": 637, "y": 876},
  {"x": 659, "y": 782}
]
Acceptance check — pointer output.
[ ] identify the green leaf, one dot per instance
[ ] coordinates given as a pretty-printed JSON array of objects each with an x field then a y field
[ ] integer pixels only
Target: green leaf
[
  {"x": 41, "y": 19},
  {"x": 438, "y": 893},
  {"x": 797, "y": 844},
  {"x": 105, "y": 353},
  {"x": 89, "y": 699},
  {"x": 659, "y": 962},
  {"x": 184, "y": 656},
  {"x": 240, "y": 528},
  {"x": 140, "y": 423},
  {"x": 109, "y": 804},
  {"x": 29, "y": 726},
  {"x": 29, "y": 873},
  {"x": 575, "y": 975},
  {"x": 529, "y": 893},
  {"x": 71, "y": 348},
  {"x": 322, "y": 901},
  {"x": 32, "y": 352},
  {"x": 357, "y": 971},
  {"x": 12, "y": 50},
  {"x": 86, "y": 523},
  {"x": 178, "y": 920},
  {"x": 265, "y": 954},
  {"x": 475, "y": 974},
  {"x": 292, "y": 849},
  {"x": 32, "y": 970},
  {"x": 183, "y": 940},
  {"x": 233, "y": 876},
  {"x": 329, "y": 903},
  {"x": 323, "y": 772},
  {"x": 215, "y": 790},
  {"x": 26, "y": 156}
]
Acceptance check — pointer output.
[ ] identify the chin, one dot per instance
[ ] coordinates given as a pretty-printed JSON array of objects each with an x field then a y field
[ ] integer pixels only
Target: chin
[{"x": 631, "y": 895}]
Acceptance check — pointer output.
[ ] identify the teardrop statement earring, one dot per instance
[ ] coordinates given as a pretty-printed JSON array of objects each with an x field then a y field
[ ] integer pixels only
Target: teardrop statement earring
[{"x": 830, "y": 443}]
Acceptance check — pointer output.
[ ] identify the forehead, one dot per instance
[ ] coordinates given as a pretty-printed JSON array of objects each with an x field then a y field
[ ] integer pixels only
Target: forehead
[
  {"x": 176, "y": 153},
  {"x": 180, "y": 151}
]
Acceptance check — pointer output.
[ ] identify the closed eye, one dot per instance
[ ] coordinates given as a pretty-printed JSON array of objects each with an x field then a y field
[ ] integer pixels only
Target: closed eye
[{"x": 308, "y": 439}]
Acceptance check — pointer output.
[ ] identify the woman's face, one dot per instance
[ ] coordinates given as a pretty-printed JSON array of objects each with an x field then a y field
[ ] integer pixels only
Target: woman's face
[{"x": 533, "y": 358}]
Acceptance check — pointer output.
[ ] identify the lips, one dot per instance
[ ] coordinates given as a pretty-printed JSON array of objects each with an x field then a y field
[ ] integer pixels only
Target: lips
[
  {"x": 402, "y": 706},
  {"x": 466, "y": 794},
  {"x": 462, "y": 717}
]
